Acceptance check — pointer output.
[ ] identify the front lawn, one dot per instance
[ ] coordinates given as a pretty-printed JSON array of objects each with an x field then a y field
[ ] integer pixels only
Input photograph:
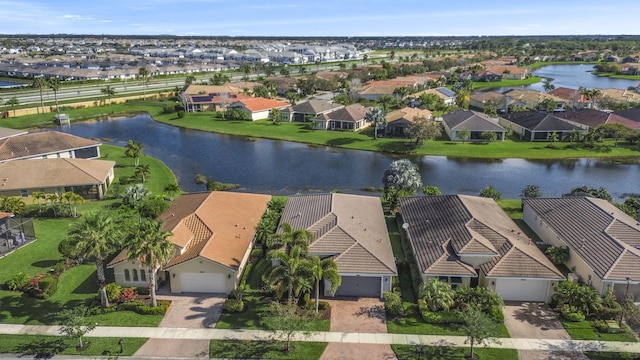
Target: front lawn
[
  {"x": 44, "y": 347},
  {"x": 407, "y": 352},
  {"x": 237, "y": 349},
  {"x": 584, "y": 330}
]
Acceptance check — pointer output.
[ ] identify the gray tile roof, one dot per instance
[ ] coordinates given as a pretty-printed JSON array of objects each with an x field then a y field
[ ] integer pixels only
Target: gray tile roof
[
  {"x": 471, "y": 120},
  {"x": 43, "y": 142},
  {"x": 441, "y": 228},
  {"x": 315, "y": 107},
  {"x": 598, "y": 232},
  {"x": 351, "y": 228},
  {"x": 537, "y": 121}
]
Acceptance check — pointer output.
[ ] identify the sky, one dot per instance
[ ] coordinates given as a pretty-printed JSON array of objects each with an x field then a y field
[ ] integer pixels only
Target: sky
[{"x": 319, "y": 18}]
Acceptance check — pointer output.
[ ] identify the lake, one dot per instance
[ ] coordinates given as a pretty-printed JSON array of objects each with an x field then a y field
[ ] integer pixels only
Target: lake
[{"x": 283, "y": 168}]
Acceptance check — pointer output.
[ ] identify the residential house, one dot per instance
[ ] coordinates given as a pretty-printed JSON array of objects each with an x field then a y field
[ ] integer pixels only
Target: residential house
[
  {"x": 47, "y": 145},
  {"x": 258, "y": 108},
  {"x": 481, "y": 99},
  {"x": 14, "y": 232},
  {"x": 589, "y": 118},
  {"x": 88, "y": 178},
  {"x": 619, "y": 95},
  {"x": 446, "y": 95},
  {"x": 212, "y": 232},
  {"x": 6, "y": 133},
  {"x": 631, "y": 114},
  {"x": 196, "y": 98},
  {"x": 352, "y": 230},
  {"x": 350, "y": 118},
  {"x": 284, "y": 84},
  {"x": 469, "y": 241},
  {"x": 573, "y": 98},
  {"x": 373, "y": 90},
  {"x": 603, "y": 241},
  {"x": 531, "y": 99},
  {"x": 307, "y": 110},
  {"x": 399, "y": 120},
  {"x": 539, "y": 126},
  {"x": 474, "y": 122}
]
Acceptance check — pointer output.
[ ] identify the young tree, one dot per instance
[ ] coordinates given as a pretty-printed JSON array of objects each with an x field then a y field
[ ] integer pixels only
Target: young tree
[
  {"x": 287, "y": 320},
  {"x": 423, "y": 129},
  {"x": 478, "y": 328},
  {"x": 143, "y": 172},
  {"x": 95, "y": 236},
  {"x": 150, "y": 246},
  {"x": 531, "y": 191},
  {"x": 75, "y": 324},
  {"x": 463, "y": 134},
  {"x": 376, "y": 116},
  {"x": 289, "y": 275},
  {"x": 326, "y": 269},
  {"x": 72, "y": 200},
  {"x": 134, "y": 150},
  {"x": 437, "y": 294}
]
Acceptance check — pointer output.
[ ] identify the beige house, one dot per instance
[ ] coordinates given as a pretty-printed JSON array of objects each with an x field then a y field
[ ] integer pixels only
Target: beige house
[
  {"x": 213, "y": 234},
  {"x": 259, "y": 108},
  {"x": 352, "y": 230},
  {"x": 351, "y": 118},
  {"x": 469, "y": 241},
  {"x": 88, "y": 178}
]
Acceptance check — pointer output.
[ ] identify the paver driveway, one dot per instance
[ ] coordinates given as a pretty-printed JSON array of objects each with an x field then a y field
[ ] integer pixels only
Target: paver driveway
[{"x": 365, "y": 315}]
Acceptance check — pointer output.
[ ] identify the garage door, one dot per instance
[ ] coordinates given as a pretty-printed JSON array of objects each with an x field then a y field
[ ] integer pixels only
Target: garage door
[
  {"x": 359, "y": 286},
  {"x": 203, "y": 282},
  {"x": 522, "y": 290}
]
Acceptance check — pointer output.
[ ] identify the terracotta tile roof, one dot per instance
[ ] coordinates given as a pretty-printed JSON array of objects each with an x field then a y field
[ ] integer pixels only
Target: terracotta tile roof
[
  {"x": 351, "y": 228},
  {"x": 47, "y": 173},
  {"x": 443, "y": 227},
  {"x": 4, "y": 215},
  {"x": 43, "y": 142},
  {"x": 261, "y": 104},
  {"x": 603, "y": 236}
]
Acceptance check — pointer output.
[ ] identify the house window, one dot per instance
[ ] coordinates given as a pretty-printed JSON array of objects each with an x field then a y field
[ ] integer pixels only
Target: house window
[
  {"x": 127, "y": 275},
  {"x": 58, "y": 155},
  {"x": 44, "y": 156},
  {"x": 135, "y": 275},
  {"x": 443, "y": 278},
  {"x": 24, "y": 193},
  {"x": 143, "y": 275}
]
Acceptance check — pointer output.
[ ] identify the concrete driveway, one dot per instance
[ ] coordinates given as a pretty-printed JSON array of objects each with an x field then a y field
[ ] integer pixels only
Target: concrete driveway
[
  {"x": 537, "y": 321},
  {"x": 364, "y": 315}
]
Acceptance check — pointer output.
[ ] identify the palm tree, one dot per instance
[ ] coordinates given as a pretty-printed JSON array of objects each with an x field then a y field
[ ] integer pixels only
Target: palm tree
[
  {"x": 72, "y": 198},
  {"x": 13, "y": 204},
  {"x": 37, "y": 196},
  {"x": 290, "y": 238},
  {"x": 144, "y": 73},
  {"x": 594, "y": 94},
  {"x": 151, "y": 247},
  {"x": 53, "y": 200},
  {"x": 326, "y": 269},
  {"x": 171, "y": 189},
  {"x": 437, "y": 294},
  {"x": 54, "y": 84},
  {"x": 108, "y": 91},
  {"x": 246, "y": 70},
  {"x": 95, "y": 235},
  {"x": 13, "y": 102},
  {"x": 553, "y": 137},
  {"x": 134, "y": 150},
  {"x": 290, "y": 274},
  {"x": 547, "y": 85},
  {"x": 376, "y": 117},
  {"x": 386, "y": 100},
  {"x": 143, "y": 171},
  {"x": 39, "y": 83},
  {"x": 463, "y": 98}
]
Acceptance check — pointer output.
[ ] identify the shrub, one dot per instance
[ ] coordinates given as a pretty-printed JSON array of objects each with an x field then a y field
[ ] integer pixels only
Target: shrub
[
  {"x": 256, "y": 255},
  {"x": 142, "y": 290},
  {"x": 601, "y": 326},
  {"x": 127, "y": 294},
  {"x": 42, "y": 286},
  {"x": 323, "y": 305},
  {"x": 245, "y": 275},
  {"x": 393, "y": 303},
  {"x": 497, "y": 314},
  {"x": 573, "y": 316},
  {"x": 18, "y": 281},
  {"x": 233, "y": 306},
  {"x": 139, "y": 307},
  {"x": 113, "y": 291},
  {"x": 609, "y": 313},
  {"x": 491, "y": 192},
  {"x": 152, "y": 207},
  {"x": 306, "y": 300},
  {"x": 181, "y": 114}
]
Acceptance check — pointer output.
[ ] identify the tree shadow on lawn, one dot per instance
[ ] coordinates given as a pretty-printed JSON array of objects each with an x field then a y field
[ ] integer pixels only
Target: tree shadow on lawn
[
  {"x": 32, "y": 310},
  {"x": 397, "y": 147},
  {"x": 45, "y": 264},
  {"x": 41, "y": 348},
  {"x": 88, "y": 286},
  {"x": 342, "y": 141}
]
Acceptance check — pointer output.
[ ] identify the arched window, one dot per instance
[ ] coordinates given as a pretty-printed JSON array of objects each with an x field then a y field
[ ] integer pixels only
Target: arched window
[
  {"x": 127, "y": 275},
  {"x": 135, "y": 275},
  {"x": 143, "y": 275}
]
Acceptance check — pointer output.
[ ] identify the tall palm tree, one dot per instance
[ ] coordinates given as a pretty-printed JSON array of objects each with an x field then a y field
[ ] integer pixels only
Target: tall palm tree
[
  {"x": 143, "y": 171},
  {"x": 463, "y": 98},
  {"x": 39, "y": 83},
  {"x": 151, "y": 247},
  {"x": 134, "y": 150},
  {"x": 108, "y": 91},
  {"x": 326, "y": 269},
  {"x": 547, "y": 85},
  {"x": 72, "y": 198},
  {"x": 54, "y": 84},
  {"x": 144, "y": 73},
  {"x": 95, "y": 236},
  {"x": 290, "y": 274},
  {"x": 13, "y": 204},
  {"x": 13, "y": 102},
  {"x": 377, "y": 117},
  {"x": 386, "y": 100}
]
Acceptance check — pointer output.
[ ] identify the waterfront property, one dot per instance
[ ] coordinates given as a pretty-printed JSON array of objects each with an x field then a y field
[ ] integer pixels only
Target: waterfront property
[
  {"x": 539, "y": 126},
  {"x": 258, "y": 108},
  {"x": 350, "y": 118},
  {"x": 352, "y": 230},
  {"x": 307, "y": 110},
  {"x": 475, "y": 123},
  {"x": 87, "y": 178},
  {"x": 470, "y": 241},
  {"x": 213, "y": 234},
  {"x": 603, "y": 241},
  {"x": 589, "y": 118},
  {"x": 46, "y": 145},
  {"x": 399, "y": 120}
]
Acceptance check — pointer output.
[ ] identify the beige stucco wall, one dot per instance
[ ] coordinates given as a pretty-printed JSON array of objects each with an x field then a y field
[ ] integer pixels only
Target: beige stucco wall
[
  {"x": 118, "y": 272},
  {"x": 201, "y": 265}
]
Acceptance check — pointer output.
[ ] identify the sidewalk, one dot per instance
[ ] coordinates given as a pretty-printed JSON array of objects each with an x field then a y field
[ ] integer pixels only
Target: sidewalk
[{"x": 342, "y": 337}]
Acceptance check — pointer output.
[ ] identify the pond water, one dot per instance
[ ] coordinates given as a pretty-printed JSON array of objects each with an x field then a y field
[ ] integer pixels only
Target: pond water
[{"x": 279, "y": 167}]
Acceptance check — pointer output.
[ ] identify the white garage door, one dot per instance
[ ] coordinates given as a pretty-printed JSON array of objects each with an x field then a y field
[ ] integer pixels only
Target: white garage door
[
  {"x": 522, "y": 290},
  {"x": 203, "y": 282},
  {"x": 361, "y": 286}
]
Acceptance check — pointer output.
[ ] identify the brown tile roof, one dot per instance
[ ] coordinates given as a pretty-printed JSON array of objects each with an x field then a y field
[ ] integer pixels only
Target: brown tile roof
[
  {"x": 260, "y": 104},
  {"x": 351, "y": 228},
  {"x": 596, "y": 231},
  {"x": 593, "y": 118},
  {"x": 5, "y": 133},
  {"x": 354, "y": 112},
  {"x": 443, "y": 227},
  {"x": 47, "y": 173},
  {"x": 407, "y": 114},
  {"x": 43, "y": 142}
]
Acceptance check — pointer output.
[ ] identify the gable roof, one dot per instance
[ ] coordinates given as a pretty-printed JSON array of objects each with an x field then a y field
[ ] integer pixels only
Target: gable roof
[
  {"x": 48, "y": 173},
  {"x": 599, "y": 233},
  {"x": 351, "y": 228},
  {"x": 260, "y": 104},
  {"x": 354, "y": 112},
  {"x": 407, "y": 114},
  {"x": 41, "y": 142},
  {"x": 443, "y": 228},
  {"x": 594, "y": 118},
  {"x": 540, "y": 121},
  {"x": 471, "y": 120},
  {"x": 316, "y": 107}
]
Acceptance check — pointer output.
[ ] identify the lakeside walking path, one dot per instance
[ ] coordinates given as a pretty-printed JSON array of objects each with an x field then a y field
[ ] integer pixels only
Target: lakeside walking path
[{"x": 341, "y": 337}]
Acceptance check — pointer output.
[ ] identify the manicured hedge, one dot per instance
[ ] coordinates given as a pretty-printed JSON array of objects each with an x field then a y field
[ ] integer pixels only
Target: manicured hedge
[{"x": 233, "y": 306}]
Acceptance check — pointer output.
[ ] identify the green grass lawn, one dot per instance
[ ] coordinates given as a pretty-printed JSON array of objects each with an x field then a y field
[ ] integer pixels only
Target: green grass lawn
[
  {"x": 602, "y": 355},
  {"x": 584, "y": 330},
  {"x": 236, "y": 349},
  {"x": 40, "y": 346},
  {"x": 407, "y": 352}
]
